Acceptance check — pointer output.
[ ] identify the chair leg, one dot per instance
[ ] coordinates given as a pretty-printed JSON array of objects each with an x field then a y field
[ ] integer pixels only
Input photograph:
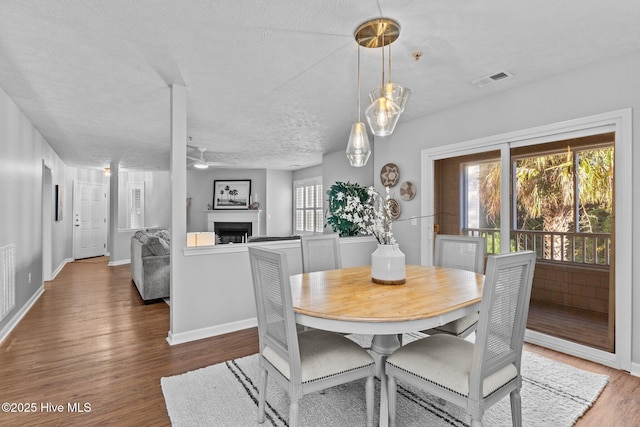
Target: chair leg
[
  {"x": 293, "y": 412},
  {"x": 516, "y": 408},
  {"x": 369, "y": 391},
  {"x": 262, "y": 394},
  {"x": 391, "y": 397}
]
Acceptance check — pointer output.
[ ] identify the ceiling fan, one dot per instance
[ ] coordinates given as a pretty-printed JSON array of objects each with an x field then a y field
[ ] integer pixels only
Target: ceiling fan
[{"x": 200, "y": 162}]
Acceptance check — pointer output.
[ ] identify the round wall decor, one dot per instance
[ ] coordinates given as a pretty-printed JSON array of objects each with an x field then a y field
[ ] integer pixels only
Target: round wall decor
[
  {"x": 394, "y": 209},
  {"x": 389, "y": 175},
  {"x": 407, "y": 190}
]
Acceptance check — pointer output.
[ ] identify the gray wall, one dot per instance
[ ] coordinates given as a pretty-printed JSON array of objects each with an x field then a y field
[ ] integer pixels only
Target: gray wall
[
  {"x": 157, "y": 193},
  {"x": 279, "y": 206},
  {"x": 22, "y": 151},
  {"x": 336, "y": 167}
]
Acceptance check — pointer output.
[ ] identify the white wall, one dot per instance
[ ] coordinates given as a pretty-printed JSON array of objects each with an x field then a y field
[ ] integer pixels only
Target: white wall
[
  {"x": 22, "y": 152},
  {"x": 279, "y": 206},
  {"x": 217, "y": 293},
  {"x": 603, "y": 87}
]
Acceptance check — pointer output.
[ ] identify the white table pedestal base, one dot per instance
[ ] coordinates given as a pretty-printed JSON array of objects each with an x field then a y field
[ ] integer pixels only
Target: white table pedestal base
[{"x": 381, "y": 347}]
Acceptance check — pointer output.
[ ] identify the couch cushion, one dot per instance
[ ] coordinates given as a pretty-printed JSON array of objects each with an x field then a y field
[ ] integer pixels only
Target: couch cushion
[
  {"x": 163, "y": 235},
  {"x": 152, "y": 246}
]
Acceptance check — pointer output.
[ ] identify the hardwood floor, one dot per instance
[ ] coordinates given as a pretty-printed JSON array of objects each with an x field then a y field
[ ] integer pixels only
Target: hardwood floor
[
  {"x": 580, "y": 326},
  {"x": 90, "y": 339}
]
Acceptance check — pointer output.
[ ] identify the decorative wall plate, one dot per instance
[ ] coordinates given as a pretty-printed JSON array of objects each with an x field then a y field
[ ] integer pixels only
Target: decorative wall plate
[
  {"x": 394, "y": 209},
  {"x": 389, "y": 175},
  {"x": 407, "y": 190}
]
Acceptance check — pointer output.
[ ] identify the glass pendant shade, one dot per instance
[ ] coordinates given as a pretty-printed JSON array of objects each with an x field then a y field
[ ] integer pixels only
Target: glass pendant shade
[
  {"x": 382, "y": 116},
  {"x": 396, "y": 93},
  {"x": 358, "y": 148}
]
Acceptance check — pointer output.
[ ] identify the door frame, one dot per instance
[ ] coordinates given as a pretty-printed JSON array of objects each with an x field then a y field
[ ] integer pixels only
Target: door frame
[
  {"x": 620, "y": 122},
  {"x": 47, "y": 222}
]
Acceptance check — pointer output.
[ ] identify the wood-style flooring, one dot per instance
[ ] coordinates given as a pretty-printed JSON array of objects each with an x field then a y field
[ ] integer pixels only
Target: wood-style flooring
[
  {"x": 580, "y": 326},
  {"x": 90, "y": 339}
]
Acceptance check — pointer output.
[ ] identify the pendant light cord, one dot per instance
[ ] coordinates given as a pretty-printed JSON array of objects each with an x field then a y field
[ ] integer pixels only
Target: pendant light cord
[
  {"x": 389, "y": 62},
  {"x": 383, "y": 31},
  {"x": 359, "y": 83}
]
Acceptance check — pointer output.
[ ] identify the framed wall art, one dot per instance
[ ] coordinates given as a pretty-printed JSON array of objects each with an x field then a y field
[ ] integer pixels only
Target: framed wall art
[
  {"x": 231, "y": 194},
  {"x": 59, "y": 202}
]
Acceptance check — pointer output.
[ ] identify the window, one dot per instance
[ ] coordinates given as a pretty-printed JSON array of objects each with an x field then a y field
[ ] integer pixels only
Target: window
[
  {"x": 135, "y": 205},
  {"x": 563, "y": 205},
  {"x": 481, "y": 201},
  {"x": 308, "y": 216}
]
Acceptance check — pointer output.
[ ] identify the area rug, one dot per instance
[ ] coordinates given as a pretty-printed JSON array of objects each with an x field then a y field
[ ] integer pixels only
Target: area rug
[{"x": 553, "y": 394}]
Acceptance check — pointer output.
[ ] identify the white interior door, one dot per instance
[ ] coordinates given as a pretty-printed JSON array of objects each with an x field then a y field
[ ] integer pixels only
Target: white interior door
[{"x": 89, "y": 220}]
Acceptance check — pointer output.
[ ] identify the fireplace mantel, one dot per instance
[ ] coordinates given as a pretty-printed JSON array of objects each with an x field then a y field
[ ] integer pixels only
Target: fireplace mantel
[{"x": 252, "y": 216}]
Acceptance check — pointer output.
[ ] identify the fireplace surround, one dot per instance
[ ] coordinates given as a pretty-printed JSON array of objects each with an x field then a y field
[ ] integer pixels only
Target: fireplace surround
[
  {"x": 232, "y": 232},
  {"x": 247, "y": 223}
]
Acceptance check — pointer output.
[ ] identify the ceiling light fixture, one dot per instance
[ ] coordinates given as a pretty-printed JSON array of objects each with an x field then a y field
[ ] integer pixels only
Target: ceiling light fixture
[
  {"x": 358, "y": 148},
  {"x": 200, "y": 165},
  {"x": 389, "y": 100},
  {"x": 391, "y": 91}
]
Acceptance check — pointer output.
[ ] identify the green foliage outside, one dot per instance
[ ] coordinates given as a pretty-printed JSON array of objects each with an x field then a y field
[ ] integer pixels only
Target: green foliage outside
[{"x": 545, "y": 191}]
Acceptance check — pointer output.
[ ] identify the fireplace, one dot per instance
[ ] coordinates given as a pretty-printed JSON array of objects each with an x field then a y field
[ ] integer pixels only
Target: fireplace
[
  {"x": 230, "y": 217},
  {"x": 232, "y": 232}
]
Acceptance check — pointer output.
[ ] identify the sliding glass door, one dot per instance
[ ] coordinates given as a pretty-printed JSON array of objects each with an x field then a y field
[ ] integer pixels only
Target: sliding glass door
[{"x": 554, "y": 194}]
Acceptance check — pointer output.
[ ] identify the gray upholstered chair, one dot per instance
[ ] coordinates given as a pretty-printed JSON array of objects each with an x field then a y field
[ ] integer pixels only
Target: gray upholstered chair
[
  {"x": 465, "y": 253},
  {"x": 320, "y": 252},
  {"x": 476, "y": 375},
  {"x": 301, "y": 362}
]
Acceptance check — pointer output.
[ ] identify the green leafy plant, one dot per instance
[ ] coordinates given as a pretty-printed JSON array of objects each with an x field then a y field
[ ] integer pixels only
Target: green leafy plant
[
  {"x": 339, "y": 194},
  {"x": 359, "y": 210}
]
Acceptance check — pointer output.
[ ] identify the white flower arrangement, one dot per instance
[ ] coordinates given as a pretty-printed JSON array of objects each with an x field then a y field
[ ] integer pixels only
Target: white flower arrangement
[{"x": 372, "y": 217}]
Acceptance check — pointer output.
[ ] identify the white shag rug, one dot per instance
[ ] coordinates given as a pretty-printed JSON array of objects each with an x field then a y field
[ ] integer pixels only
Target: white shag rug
[{"x": 553, "y": 394}]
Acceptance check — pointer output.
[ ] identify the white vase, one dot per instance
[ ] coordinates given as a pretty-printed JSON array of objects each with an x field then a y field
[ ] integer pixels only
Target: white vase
[{"x": 387, "y": 265}]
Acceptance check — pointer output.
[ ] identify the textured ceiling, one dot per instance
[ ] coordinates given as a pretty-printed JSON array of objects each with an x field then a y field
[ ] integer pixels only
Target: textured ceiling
[{"x": 272, "y": 83}]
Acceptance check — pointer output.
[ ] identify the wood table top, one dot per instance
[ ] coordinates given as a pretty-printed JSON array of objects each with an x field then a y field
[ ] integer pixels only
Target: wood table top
[{"x": 348, "y": 294}]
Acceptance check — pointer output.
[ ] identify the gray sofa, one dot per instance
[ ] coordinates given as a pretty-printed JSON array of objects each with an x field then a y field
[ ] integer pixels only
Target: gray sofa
[{"x": 150, "y": 256}]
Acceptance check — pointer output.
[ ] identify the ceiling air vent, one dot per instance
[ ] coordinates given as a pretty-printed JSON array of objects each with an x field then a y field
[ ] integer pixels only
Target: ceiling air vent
[{"x": 492, "y": 78}]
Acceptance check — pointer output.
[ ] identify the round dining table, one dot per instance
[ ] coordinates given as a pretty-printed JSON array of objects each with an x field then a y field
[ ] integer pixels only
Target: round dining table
[{"x": 347, "y": 301}]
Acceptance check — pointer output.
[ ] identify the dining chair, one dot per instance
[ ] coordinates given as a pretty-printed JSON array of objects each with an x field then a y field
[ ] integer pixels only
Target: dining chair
[
  {"x": 320, "y": 252},
  {"x": 474, "y": 376},
  {"x": 301, "y": 362},
  {"x": 465, "y": 253}
]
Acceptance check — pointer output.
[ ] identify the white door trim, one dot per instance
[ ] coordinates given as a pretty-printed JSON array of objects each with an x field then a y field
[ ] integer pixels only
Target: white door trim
[{"x": 619, "y": 121}]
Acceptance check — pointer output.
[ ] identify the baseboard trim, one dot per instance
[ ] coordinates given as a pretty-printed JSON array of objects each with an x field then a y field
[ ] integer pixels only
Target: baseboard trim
[
  {"x": 571, "y": 348},
  {"x": 4, "y": 332},
  {"x": 635, "y": 369},
  {"x": 120, "y": 262},
  {"x": 60, "y": 267},
  {"x": 198, "y": 334}
]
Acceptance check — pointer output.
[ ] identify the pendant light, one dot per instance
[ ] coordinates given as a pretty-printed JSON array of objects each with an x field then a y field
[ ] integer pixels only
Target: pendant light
[
  {"x": 384, "y": 111},
  {"x": 392, "y": 91},
  {"x": 358, "y": 148}
]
